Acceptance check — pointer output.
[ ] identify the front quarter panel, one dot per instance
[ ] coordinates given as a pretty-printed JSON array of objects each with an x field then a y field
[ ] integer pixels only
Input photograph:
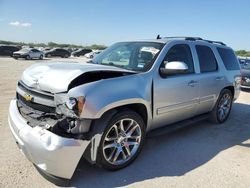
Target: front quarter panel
[{"x": 103, "y": 95}]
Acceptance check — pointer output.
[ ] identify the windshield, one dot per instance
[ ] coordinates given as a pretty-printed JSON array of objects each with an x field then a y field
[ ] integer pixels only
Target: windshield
[{"x": 136, "y": 56}]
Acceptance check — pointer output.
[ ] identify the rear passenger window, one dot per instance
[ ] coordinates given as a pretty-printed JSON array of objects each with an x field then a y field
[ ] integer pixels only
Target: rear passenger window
[
  {"x": 229, "y": 59},
  {"x": 207, "y": 59}
]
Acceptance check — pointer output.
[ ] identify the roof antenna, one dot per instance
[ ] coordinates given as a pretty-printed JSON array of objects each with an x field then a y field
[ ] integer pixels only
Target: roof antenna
[{"x": 158, "y": 37}]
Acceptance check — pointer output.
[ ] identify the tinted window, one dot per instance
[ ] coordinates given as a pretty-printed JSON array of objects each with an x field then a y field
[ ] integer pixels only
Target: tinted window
[
  {"x": 229, "y": 59},
  {"x": 181, "y": 52},
  {"x": 207, "y": 59}
]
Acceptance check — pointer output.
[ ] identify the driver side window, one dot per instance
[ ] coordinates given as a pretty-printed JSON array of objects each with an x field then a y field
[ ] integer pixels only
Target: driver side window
[{"x": 180, "y": 52}]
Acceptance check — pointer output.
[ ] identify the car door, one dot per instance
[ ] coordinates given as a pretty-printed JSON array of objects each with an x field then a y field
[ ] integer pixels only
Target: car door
[
  {"x": 176, "y": 97},
  {"x": 32, "y": 53},
  {"x": 210, "y": 77},
  {"x": 37, "y": 53},
  {"x": 56, "y": 52},
  {"x": 61, "y": 52}
]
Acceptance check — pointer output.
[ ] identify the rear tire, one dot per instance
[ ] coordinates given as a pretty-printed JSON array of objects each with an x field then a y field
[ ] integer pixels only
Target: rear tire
[
  {"x": 121, "y": 141},
  {"x": 222, "y": 108},
  {"x": 41, "y": 57},
  {"x": 66, "y": 56}
]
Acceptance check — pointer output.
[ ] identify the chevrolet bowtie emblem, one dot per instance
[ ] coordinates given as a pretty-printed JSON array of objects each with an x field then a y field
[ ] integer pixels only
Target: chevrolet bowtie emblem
[{"x": 28, "y": 97}]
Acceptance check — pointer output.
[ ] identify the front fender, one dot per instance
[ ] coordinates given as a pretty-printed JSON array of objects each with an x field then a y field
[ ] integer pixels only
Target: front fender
[{"x": 107, "y": 94}]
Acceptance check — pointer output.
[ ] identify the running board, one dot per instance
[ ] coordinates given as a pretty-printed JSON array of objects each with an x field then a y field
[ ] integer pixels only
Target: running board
[{"x": 176, "y": 126}]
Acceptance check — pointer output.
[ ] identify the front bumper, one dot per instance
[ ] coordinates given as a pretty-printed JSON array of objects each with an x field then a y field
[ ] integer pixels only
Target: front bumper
[
  {"x": 49, "y": 152},
  {"x": 245, "y": 87}
]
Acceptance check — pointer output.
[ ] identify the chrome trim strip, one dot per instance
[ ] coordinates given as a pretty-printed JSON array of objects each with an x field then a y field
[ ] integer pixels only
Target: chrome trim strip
[
  {"x": 175, "y": 107},
  {"x": 207, "y": 98}
]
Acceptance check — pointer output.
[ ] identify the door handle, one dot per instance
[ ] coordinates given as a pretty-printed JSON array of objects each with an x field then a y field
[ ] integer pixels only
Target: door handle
[
  {"x": 219, "y": 78},
  {"x": 192, "y": 83}
]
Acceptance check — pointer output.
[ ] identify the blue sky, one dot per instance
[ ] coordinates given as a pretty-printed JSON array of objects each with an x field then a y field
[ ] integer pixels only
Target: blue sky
[{"x": 109, "y": 21}]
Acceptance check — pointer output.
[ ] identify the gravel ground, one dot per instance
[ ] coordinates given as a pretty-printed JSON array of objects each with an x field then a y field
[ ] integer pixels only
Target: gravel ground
[{"x": 201, "y": 155}]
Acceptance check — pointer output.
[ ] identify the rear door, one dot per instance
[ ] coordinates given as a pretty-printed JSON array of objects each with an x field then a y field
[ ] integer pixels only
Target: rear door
[
  {"x": 210, "y": 77},
  {"x": 176, "y": 97}
]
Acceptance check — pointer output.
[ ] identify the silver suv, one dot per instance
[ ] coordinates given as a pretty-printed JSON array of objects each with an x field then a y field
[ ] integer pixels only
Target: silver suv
[{"x": 102, "y": 110}]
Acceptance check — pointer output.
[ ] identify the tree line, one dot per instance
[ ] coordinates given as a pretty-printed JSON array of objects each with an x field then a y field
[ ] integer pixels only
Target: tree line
[
  {"x": 52, "y": 45},
  {"x": 243, "y": 53}
]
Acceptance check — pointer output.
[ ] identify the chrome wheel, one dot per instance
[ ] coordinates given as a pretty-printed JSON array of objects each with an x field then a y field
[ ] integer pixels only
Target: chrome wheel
[
  {"x": 121, "y": 141},
  {"x": 224, "y": 106}
]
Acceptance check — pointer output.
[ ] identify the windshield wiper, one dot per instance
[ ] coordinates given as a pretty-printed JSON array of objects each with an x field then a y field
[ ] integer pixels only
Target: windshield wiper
[{"x": 115, "y": 65}]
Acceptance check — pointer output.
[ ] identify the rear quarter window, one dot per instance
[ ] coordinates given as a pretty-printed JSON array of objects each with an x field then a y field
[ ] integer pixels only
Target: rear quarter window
[{"x": 229, "y": 59}]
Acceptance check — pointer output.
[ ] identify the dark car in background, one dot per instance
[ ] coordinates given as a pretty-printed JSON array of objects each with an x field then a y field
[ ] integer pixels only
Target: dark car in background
[
  {"x": 80, "y": 52},
  {"x": 7, "y": 50},
  {"x": 57, "y": 52},
  {"x": 245, "y": 75},
  {"x": 244, "y": 61}
]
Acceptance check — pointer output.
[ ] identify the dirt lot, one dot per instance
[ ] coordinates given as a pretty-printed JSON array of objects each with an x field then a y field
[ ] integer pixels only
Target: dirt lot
[{"x": 202, "y": 155}]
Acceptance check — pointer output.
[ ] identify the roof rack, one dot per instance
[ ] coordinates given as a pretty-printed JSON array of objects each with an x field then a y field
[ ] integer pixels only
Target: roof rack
[
  {"x": 216, "y": 42},
  {"x": 185, "y": 38},
  {"x": 192, "y": 39}
]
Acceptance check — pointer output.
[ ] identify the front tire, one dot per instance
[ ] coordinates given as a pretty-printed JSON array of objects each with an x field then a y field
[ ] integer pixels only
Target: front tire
[
  {"x": 222, "y": 107},
  {"x": 28, "y": 57},
  {"x": 121, "y": 141},
  {"x": 41, "y": 57}
]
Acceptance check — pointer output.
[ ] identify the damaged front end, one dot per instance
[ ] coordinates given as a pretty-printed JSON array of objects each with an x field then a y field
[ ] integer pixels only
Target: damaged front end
[{"x": 57, "y": 113}]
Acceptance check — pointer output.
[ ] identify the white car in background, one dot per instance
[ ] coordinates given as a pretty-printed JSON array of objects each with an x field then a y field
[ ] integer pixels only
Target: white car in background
[
  {"x": 91, "y": 55},
  {"x": 28, "y": 53}
]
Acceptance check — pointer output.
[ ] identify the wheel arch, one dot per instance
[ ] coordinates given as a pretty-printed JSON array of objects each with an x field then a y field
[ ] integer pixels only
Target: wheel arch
[
  {"x": 137, "y": 107},
  {"x": 98, "y": 126},
  {"x": 230, "y": 88}
]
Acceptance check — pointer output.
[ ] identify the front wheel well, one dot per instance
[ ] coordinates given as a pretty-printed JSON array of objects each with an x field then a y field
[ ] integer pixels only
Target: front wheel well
[
  {"x": 230, "y": 88},
  {"x": 137, "y": 107}
]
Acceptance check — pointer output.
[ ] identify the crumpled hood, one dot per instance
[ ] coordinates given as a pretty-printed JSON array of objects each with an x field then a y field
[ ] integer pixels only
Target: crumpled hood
[{"x": 55, "y": 77}]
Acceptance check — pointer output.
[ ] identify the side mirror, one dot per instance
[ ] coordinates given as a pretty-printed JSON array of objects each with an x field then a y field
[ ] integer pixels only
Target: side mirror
[{"x": 174, "y": 67}]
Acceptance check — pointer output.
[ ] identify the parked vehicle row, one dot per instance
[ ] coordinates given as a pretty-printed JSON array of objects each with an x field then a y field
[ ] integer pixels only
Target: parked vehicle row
[{"x": 40, "y": 53}]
